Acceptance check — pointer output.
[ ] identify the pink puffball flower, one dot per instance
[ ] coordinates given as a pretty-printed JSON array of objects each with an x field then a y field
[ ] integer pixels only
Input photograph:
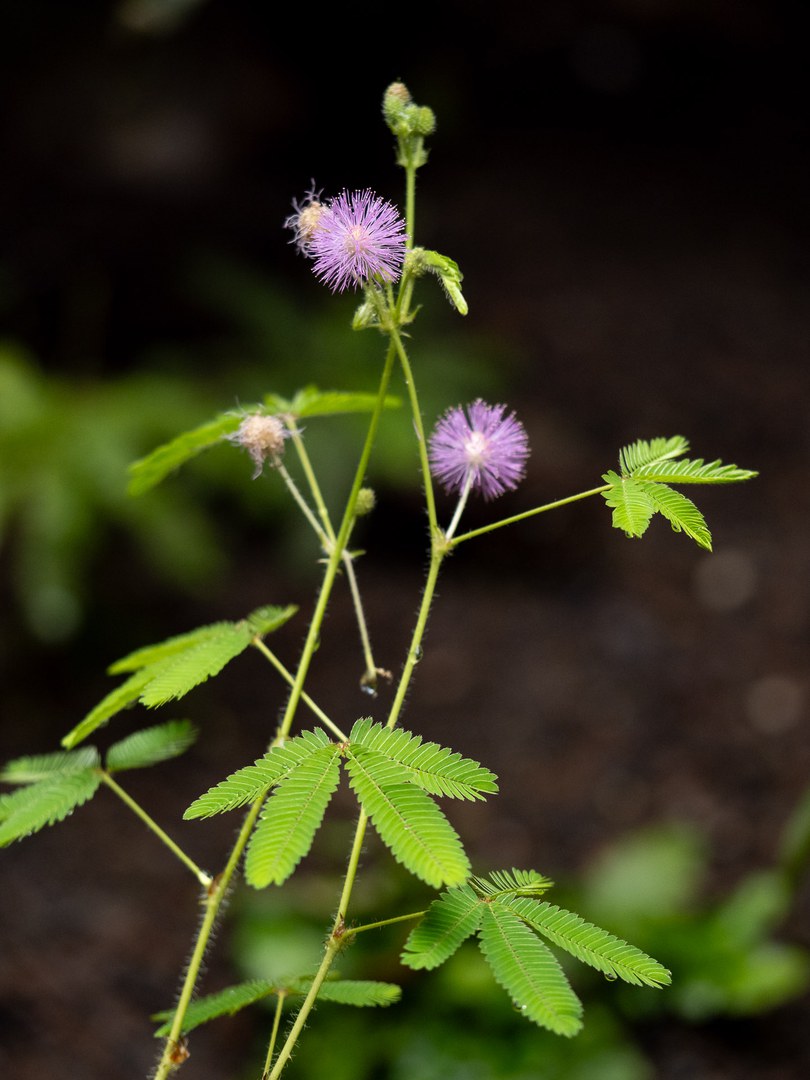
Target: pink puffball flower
[
  {"x": 358, "y": 238},
  {"x": 480, "y": 449}
]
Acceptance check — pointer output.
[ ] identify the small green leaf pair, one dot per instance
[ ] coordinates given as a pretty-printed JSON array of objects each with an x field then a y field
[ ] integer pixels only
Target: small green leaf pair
[
  {"x": 55, "y": 784},
  {"x": 641, "y": 488},
  {"x": 510, "y": 920},
  {"x": 392, "y": 773}
]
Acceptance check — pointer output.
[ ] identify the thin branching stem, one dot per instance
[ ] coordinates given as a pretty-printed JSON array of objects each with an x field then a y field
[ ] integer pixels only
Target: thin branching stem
[
  {"x": 307, "y": 700},
  {"x": 455, "y": 541},
  {"x": 201, "y": 876}
]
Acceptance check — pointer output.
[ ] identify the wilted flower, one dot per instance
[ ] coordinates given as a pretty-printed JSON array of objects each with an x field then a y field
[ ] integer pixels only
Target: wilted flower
[
  {"x": 263, "y": 438},
  {"x": 481, "y": 449},
  {"x": 305, "y": 220},
  {"x": 358, "y": 237}
]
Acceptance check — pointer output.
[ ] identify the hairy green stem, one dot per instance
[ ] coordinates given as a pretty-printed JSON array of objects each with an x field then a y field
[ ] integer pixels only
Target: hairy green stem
[
  {"x": 201, "y": 876},
  {"x": 274, "y": 1034},
  {"x": 309, "y": 473},
  {"x": 352, "y": 930},
  {"x": 213, "y": 903}
]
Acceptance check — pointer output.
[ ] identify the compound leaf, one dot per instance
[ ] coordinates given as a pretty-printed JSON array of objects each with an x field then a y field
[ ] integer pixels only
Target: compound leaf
[
  {"x": 252, "y": 782},
  {"x": 152, "y": 745},
  {"x": 148, "y": 471},
  {"x": 291, "y": 817},
  {"x": 409, "y": 822},
  {"x": 28, "y": 770},
  {"x": 590, "y": 944},
  {"x": 433, "y": 768},
  {"x": 449, "y": 921},
  {"x": 46, "y": 802},
  {"x": 528, "y": 972}
]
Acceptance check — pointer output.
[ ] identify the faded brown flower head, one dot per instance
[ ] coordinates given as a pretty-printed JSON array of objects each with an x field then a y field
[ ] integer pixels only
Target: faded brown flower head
[{"x": 263, "y": 438}]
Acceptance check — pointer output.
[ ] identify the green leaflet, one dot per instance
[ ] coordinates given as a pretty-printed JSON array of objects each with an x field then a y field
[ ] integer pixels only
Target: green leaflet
[
  {"x": 252, "y": 782},
  {"x": 173, "y": 678},
  {"x": 433, "y": 768},
  {"x": 32, "y": 808},
  {"x": 528, "y": 972},
  {"x": 150, "y": 746},
  {"x": 693, "y": 472},
  {"x": 224, "y": 1003},
  {"x": 644, "y": 452},
  {"x": 151, "y": 655},
  {"x": 148, "y": 471},
  {"x": 361, "y": 993},
  {"x": 680, "y": 512},
  {"x": 171, "y": 668},
  {"x": 590, "y": 944},
  {"x": 632, "y": 506},
  {"x": 310, "y": 401},
  {"x": 409, "y": 822},
  {"x": 449, "y": 921},
  {"x": 28, "y": 770},
  {"x": 291, "y": 817},
  {"x": 109, "y": 706}
]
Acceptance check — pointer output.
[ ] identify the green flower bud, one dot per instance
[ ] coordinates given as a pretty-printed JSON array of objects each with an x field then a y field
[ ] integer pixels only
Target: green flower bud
[{"x": 366, "y": 501}]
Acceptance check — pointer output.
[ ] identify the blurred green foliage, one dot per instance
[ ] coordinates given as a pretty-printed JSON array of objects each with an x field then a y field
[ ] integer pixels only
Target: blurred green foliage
[{"x": 65, "y": 444}]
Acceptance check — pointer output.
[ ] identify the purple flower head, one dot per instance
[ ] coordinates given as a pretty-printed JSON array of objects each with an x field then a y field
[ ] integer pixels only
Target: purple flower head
[
  {"x": 358, "y": 237},
  {"x": 482, "y": 446}
]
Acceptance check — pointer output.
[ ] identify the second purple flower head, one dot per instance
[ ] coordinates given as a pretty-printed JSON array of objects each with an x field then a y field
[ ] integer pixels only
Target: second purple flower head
[{"x": 482, "y": 447}]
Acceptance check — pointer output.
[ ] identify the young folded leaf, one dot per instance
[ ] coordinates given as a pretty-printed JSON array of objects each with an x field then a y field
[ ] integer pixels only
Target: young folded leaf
[
  {"x": 528, "y": 972},
  {"x": 590, "y": 944},
  {"x": 433, "y": 768},
  {"x": 151, "y": 746},
  {"x": 512, "y": 883},
  {"x": 32, "y": 808},
  {"x": 408, "y": 821},
  {"x": 449, "y": 921},
  {"x": 291, "y": 817},
  {"x": 253, "y": 781}
]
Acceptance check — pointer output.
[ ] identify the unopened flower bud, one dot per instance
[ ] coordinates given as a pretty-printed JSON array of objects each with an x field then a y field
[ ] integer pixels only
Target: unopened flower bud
[
  {"x": 424, "y": 121},
  {"x": 396, "y": 97},
  {"x": 366, "y": 501},
  {"x": 263, "y": 438}
]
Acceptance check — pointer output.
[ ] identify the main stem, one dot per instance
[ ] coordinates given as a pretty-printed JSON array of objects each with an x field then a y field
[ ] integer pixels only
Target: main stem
[{"x": 218, "y": 891}]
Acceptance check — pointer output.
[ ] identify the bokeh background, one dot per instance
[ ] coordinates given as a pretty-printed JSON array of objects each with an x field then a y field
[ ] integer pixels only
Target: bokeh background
[{"x": 624, "y": 184}]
